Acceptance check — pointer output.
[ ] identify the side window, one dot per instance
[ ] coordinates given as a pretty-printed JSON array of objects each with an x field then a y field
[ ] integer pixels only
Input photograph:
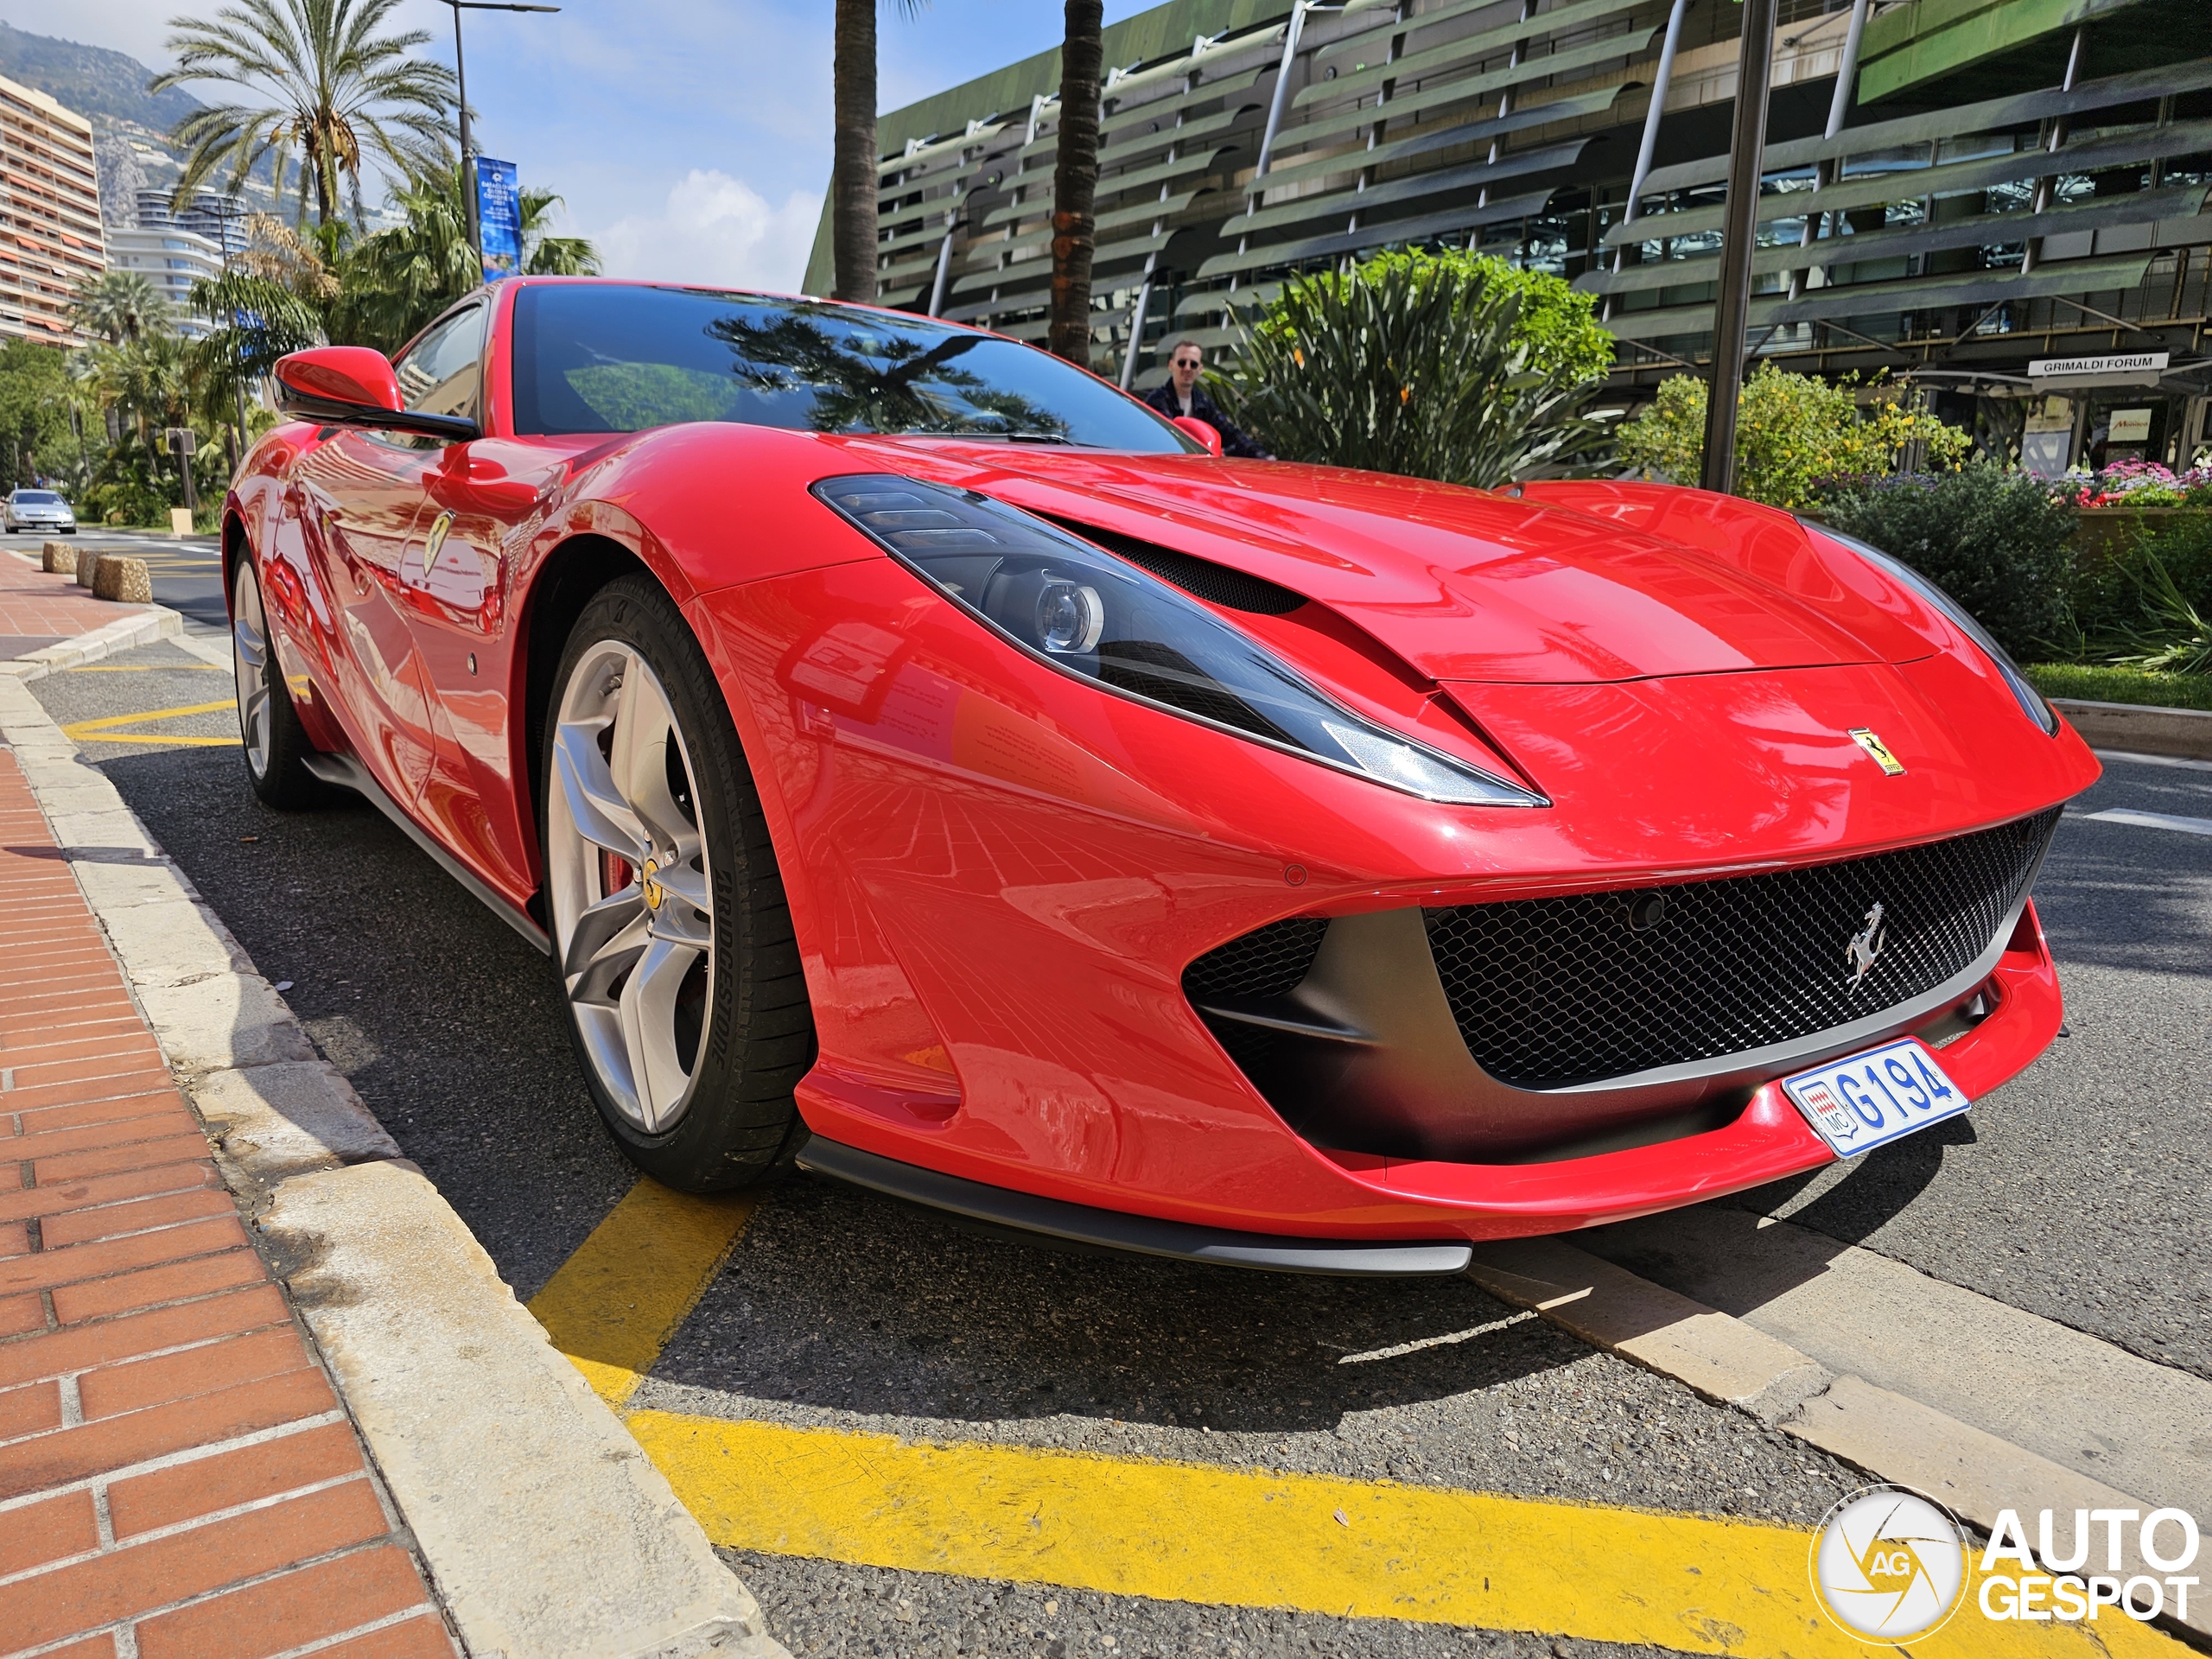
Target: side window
[{"x": 443, "y": 372}]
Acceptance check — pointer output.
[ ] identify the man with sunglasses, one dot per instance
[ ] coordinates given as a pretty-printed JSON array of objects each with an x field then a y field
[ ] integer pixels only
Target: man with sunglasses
[{"x": 1180, "y": 394}]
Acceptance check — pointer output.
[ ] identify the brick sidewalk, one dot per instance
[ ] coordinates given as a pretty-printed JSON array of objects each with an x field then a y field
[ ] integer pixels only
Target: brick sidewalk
[
  {"x": 37, "y": 610},
  {"x": 176, "y": 1477}
]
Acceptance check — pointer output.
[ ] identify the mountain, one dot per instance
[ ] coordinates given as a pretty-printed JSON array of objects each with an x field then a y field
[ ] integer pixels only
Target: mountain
[
  {"x": 131, "y": 125},
  {"x": 91, "y": 79}
]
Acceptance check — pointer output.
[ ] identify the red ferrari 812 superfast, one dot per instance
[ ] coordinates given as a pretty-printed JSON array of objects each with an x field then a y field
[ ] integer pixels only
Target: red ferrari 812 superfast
[{"x": 925, "y": 765}]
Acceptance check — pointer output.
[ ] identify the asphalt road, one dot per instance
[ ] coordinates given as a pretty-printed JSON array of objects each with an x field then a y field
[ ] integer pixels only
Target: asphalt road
[{"x": 2072, "y": 1192}]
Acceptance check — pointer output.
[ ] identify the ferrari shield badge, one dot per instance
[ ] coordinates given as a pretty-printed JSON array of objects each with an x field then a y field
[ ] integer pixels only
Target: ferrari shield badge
[
  {"x": 434, "y": 544},
  {"x": 1874, "y": 745}
]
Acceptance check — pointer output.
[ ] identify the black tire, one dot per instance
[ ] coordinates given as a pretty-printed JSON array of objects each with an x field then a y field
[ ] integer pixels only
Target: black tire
[
  {"x": 276, "y": 769},
  {"x": 739, "y": 1124}
]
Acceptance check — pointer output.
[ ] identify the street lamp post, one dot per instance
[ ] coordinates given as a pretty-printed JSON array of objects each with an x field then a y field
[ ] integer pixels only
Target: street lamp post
[
  {"x": 1741, "y": 207},
  {"x": 467, "y": 143}
]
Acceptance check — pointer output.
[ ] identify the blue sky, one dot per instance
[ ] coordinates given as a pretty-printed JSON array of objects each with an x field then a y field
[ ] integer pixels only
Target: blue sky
[{"x": 691, "y": 138}]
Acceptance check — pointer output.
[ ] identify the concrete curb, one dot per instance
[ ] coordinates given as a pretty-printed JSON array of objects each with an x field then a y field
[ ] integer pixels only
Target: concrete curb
[
  {"x": 124, "y": 633},
  {"x": 547, "y": 1532},
  {"x": 2141, "y": 728},
  {"x": 1892, "y": 1437}
]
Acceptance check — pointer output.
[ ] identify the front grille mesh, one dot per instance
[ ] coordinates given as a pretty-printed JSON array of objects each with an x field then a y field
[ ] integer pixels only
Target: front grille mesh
[
  {"x": 1556, "y": 991},
  {"x": 1267, "y": 961}
]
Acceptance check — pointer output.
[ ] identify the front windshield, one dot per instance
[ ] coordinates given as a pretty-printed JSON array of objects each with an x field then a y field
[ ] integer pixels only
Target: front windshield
[
  {"x": 615, "y": 357},
  {"x": 38, "y": 499}
]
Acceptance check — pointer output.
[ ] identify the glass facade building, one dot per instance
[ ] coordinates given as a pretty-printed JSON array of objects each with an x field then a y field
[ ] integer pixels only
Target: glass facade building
[{"x": 2001, "y": 200}]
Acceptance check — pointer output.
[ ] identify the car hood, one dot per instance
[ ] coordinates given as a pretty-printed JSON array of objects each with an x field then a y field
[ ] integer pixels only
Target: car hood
[{"x": 1465, "y": 584}]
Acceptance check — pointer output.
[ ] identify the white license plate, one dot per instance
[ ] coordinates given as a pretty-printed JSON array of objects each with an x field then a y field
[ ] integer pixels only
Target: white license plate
[{"x": 1876, "y": 1097}]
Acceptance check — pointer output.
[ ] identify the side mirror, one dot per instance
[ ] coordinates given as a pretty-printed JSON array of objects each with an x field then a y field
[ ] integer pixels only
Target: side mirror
[
  {"x": 1202, "y": 430},
  {"x": 351, "y": 385}
]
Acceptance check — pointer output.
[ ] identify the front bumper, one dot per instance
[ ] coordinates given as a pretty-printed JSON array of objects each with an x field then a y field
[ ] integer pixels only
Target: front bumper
[
  {"x": 2005, "y": 1023},
  {"x": 2006, "y": 1019}
]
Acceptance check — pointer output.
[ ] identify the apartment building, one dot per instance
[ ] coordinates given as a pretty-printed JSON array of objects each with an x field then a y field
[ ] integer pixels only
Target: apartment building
[
  {"x": 173, "y": 259},
  {"x": 2001, "y": 200},
  {"x": 220, "y": 218},
  {"x": 49, "y": 214}
]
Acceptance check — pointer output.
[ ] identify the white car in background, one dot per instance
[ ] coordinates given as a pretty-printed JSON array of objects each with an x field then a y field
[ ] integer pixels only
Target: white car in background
[{"x": 38, "y": 510}]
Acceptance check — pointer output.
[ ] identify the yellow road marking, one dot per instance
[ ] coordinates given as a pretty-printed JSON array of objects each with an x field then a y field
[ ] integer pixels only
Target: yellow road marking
[
  {"x": 1201, "y": 1533},
  {"x": 1259, "y": 1538},
  {"x": 615, "y": 1303},
  {"x": 103, "y": 729}
]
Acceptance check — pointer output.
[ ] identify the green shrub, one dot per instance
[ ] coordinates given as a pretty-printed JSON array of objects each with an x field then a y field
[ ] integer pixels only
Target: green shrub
[
  {"x": 1995, "y": 541},
  {"x": 2172, "y": 637},
  {"x": 1446, "y": 366},
  {"x": 2105, "y": 598},
  {"x": 2101, "y": 682},
  {"x": 1794, "y": 432}
]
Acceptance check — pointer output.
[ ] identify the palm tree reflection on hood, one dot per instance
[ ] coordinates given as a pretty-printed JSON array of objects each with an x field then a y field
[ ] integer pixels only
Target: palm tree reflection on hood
[{"x": 878, "y": 382}]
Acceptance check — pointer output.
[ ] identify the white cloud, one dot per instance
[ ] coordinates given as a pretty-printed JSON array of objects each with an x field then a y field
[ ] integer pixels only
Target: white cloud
[{"x": 715, "y": 229}]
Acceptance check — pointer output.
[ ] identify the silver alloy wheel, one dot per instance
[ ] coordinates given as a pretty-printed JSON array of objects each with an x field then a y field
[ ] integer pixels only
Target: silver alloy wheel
[
  {"x": 250, "y": 661},
  {"x": 632, "y": 901}
]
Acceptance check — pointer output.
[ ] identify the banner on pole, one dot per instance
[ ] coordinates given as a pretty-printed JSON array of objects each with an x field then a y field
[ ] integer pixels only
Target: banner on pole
[{"x": 498, "y": 218}]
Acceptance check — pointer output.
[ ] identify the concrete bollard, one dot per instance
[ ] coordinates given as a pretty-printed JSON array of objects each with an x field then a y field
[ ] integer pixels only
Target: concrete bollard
[
  {"x": 85, "y": 561},
  {"x": 125, "y": 579},
  {"x": 58, "y": 559}
]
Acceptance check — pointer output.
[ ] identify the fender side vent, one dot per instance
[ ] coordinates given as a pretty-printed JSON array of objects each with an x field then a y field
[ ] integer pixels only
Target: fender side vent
[
  {"x": 1270, "y": 961},
  {"x": 1217, "y": 584}
]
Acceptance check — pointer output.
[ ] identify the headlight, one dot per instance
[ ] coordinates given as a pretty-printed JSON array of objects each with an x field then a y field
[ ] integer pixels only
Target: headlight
[
  {"x": 1103, "y": 620},
  {"x": 2030, "y": 699}
]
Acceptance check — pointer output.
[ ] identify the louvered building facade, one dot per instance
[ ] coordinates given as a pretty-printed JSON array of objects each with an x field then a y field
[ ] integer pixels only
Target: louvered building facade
[{"x": 1997, "y": 193}]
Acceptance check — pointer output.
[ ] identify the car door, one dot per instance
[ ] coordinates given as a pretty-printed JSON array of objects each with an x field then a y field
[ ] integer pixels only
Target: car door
[
  {"x": 354, "y": 499},
  {"x": 458, "y": 570}
]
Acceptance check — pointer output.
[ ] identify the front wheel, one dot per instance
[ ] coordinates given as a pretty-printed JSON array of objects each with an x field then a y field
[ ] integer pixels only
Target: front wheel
[
  {"x": 672, "y": 938},
  {"x": 275, "y": 743}
]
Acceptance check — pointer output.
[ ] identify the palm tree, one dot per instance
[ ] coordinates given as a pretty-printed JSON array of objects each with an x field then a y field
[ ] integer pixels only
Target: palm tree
[
  {"x": 1075, "y": 181},
  {"x": 314, "y": 77},
  {"x": 278, "y": 253},
  {"x": 120, "y": 305},
  {"x": 397, "y": 280},
  {"x": 853, "y": 178},
  {"x": 544, "y": 254}
]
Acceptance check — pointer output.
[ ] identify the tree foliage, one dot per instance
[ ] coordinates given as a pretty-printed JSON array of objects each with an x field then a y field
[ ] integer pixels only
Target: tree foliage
[
  {"x": 34, "y": 402},
  {"x": 1448, "y": 366},
  {"x": 1560, "y": 325},
  {"x": 393, "y": 283},
  {"x": 317, "y": 78},
  {"x": 257, "y": 321},
  {"x": 120, "y": 306},
  {"x": 1793, "y": 433}
]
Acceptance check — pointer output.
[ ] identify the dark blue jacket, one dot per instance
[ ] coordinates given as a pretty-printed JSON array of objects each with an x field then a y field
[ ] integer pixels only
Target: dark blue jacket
[{"x": 1202, "y": 408}]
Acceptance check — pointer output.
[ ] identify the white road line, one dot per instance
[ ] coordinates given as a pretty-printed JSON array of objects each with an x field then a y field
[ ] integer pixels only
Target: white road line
[
  {"x": 2152, "y": 820},
  {"x": 2152, "y": 760}
]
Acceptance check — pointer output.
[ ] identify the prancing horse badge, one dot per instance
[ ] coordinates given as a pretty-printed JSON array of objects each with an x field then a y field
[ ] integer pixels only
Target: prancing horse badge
[
  {"x": 434, "y": 544},
  {"x": 1874, "y": 745}
]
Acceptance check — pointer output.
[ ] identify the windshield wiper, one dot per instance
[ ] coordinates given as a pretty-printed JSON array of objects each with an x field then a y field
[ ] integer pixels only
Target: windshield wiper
[{"x": 996, "y": 437}]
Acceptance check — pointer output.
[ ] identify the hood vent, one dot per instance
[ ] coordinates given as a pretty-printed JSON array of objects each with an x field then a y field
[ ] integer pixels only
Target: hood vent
[{"x": 1217, "y": 584}]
